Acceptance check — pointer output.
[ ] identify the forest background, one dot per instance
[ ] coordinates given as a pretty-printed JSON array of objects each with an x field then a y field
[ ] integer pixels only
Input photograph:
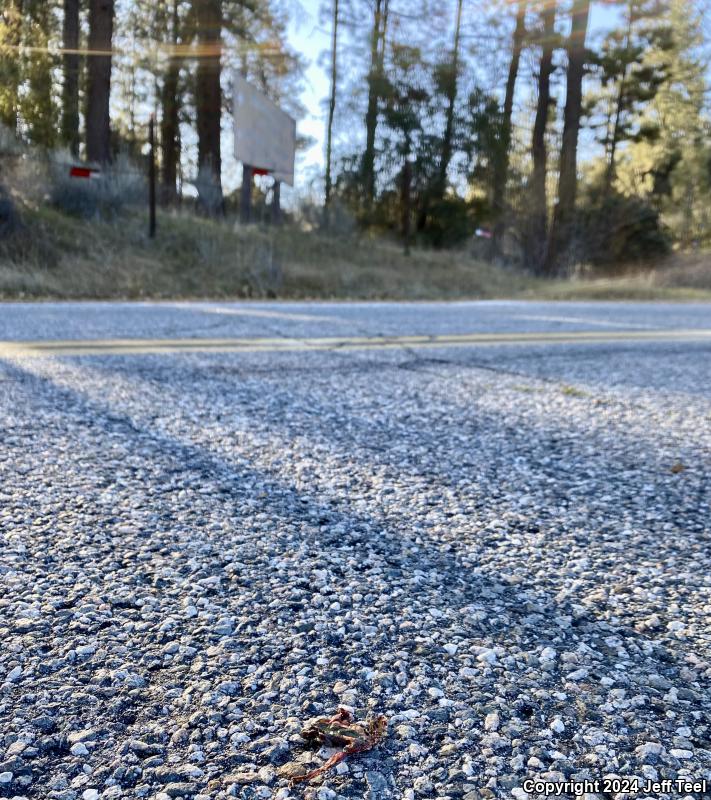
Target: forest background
[{"x": 505, "y": 146}]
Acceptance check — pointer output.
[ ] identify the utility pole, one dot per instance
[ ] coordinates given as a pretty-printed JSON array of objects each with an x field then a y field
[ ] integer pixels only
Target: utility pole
[{"x": 151, "y": 179}]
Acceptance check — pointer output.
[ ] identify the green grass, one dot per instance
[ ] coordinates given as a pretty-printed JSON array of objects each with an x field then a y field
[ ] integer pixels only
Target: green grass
[{"x": 58, "y": 256}]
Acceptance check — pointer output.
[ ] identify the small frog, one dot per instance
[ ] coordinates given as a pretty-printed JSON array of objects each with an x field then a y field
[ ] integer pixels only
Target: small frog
[{"x": 341, "y": 731}]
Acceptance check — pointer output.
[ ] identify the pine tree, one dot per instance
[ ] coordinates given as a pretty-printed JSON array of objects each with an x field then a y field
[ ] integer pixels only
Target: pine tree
[
  {"x": 448, "y": 82},
  {"x": 170, "y": 100},
  {"x": 208, "y": 101},
  {"x": 98, "y": 127},
  {"x": 70, "y": 82},
  {"x": 375, "y": 81},
  {"x": 564, "y": 213},
  {"x": 629, "y": 80},
  {"x": 37, "y": 103},
  {"x": 405, "y": 108},
  {"x": 501, "y": 166},
  {"x": 10, "y": 40},
  {"x": 331, "y": 104},
  {"x": 538, "y": 216},
  {"x": 671, "y": 169}
]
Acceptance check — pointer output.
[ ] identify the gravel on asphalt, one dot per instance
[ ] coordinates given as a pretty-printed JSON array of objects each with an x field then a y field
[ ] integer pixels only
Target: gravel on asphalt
[{"x": 506, "y": 554}]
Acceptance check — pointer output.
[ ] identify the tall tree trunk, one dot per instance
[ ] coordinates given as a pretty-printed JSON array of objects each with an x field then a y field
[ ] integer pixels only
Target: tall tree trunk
[
  {"x": 563, "y": 217},
  {"x": 538, "y": 221},
  {"x": 98, "y": 91},
  {"x": 208, "y": 95},
  {"x": 70, "y": 68},
  {"x": 614, "y": 135},
  {"x": 170, "y": 102},
  {"x": 371, "y": 114},
  {"x": 501, "y": 166},
  {"x": 11, "y": 37},
  {"x": 332, "y": 101},
  {"x": 383, "y": 34},
  {"x": 451, "y": 93}
]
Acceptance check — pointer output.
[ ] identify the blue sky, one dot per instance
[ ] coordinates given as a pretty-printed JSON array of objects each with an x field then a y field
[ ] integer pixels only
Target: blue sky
[{"x": 311, "y": 39}]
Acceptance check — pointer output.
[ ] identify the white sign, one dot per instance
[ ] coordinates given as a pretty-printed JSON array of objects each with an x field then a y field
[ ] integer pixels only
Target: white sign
[{"x": 265, "y": 136}]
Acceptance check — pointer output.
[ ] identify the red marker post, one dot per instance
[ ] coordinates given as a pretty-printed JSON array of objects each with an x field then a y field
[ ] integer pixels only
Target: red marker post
[{"x": 84, "y": 172}]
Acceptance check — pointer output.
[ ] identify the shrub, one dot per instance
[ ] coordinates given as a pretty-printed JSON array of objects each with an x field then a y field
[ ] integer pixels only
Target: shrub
[
  {"x": 338, "y": 219},
  {"x": 449, "y": 222},
  {"x": 620, "y": 230},
  {"x": 9, "y": 219}
]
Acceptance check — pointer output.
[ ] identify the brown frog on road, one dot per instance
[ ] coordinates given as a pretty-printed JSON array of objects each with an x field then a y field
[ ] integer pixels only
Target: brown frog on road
[{"x": 340, "y": 730}]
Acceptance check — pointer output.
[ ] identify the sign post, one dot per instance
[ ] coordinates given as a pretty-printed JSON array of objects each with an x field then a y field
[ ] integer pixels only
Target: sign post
[
  {"x": 151, "y": 179},
  {"x": 276, "y": 204},
  {"x": 265, "y": 143},
  {"x": 245, "y": 198}
]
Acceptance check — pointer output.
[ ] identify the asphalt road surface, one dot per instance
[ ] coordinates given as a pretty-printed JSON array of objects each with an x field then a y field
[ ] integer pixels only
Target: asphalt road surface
[{"x": 488, "y": 522}]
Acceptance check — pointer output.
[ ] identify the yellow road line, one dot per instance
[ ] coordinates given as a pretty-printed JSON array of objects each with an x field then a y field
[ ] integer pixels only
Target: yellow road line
[{"x": 78, "y": 347}]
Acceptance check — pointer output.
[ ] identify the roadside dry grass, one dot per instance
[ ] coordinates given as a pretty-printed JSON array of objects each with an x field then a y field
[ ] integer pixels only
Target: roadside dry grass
[
  {"x": 641, "y": 286},
  {"x": 58, "y": 256}
]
